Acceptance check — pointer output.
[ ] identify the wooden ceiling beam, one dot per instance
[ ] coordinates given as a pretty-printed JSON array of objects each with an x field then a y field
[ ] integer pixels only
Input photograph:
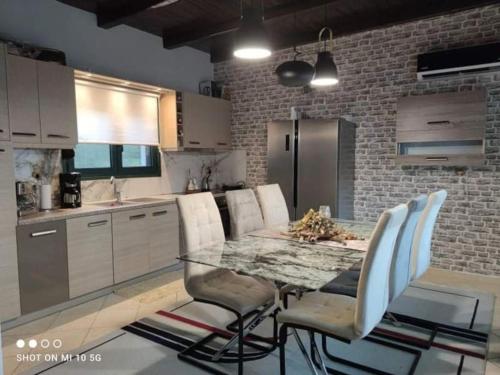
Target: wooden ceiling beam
[
  {"x": 114, "y": 12},
  {"x": 183, "y": 35},
  {"x": 362, "y": 21}
]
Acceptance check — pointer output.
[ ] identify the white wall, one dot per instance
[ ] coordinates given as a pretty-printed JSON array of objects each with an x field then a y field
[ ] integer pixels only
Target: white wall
[{"x": 122, "y": 51}]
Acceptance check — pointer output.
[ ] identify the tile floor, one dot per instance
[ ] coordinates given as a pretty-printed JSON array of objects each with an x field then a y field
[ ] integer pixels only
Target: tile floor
[{"x": 87, "y": 322}]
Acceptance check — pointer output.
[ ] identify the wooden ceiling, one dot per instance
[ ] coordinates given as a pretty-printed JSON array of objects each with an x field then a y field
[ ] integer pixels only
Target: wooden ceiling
[{"x": 209, "y": 25}]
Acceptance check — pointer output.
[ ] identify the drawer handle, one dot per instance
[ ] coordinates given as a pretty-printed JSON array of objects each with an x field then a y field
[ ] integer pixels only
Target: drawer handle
[
  {"x": 137, "y": 217},
  {"x": 97, "y": 223},
  {"x": 160, "y": 213},
  {"x": 57, "y": 136},
  {"x": 221, "y": 144},
  {"x": 2, "y": 150},
  {"x": 194, "y": 142},
  {"x": 1, "y": 130},
  {"x": 24, "y": 134},
  {"x": 44, "y": 233},
  {"x": 444, "y": 122},
  {"x": 437, "y": 158}
]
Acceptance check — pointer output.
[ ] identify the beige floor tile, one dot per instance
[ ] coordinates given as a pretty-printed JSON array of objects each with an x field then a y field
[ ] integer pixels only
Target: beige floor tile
[
  {"x": 9, "y": 346},
  {"x": 96, "y": 333},
  {"x": 468, "y": 281},
  {"x": 9, "y": 365},
  {"x": 70, "y": 340},
  {"x": 115, "y": 317},
  {"x": 78, "y": 317},
  {"x": 492, "y": 368},
  {"x": 164, "y": 303},
  {"x": 33, "y": 328}
]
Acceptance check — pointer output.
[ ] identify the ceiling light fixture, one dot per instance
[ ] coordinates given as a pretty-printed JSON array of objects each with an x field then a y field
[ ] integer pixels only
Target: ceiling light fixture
[
  {"x": 325, "y": 70},
  {"x": 251, "y": 42}
]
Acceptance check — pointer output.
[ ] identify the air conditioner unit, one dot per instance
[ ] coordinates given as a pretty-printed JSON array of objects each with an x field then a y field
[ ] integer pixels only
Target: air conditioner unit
[{"x": 459, "y": 61}]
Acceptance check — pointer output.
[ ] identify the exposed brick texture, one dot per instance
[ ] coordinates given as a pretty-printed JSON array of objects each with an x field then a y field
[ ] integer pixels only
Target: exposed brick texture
[{"x": 376, "y": 68}]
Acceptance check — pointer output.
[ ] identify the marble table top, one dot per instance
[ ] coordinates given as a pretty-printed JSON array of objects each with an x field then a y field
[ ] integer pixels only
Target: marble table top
[{"x": 286, "y": 261}]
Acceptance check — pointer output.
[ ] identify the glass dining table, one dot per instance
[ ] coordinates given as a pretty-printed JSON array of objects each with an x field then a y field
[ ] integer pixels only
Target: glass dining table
[{"x": 273, "y": 255}]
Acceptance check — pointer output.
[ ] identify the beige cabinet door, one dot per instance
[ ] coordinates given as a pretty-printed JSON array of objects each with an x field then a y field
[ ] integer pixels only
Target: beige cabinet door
[
  {"x": 9, "y": 279},
  {"x": 56, "y": 88},
  {"x": 22, "y": 90},
  {"x": 197, "y": 130},
  {"x": 163, "y": 229},
  {"x": 4, "y": 109},
  {"x": 130, "y": 244},
  {"x": 90, "y": 254},
  {"x": 221, "y": 122}
]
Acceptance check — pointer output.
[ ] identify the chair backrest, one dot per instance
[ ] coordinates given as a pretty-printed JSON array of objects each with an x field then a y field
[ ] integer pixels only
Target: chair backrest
[
  {"x": 373, "y": 286},
  {"x": 400, "y": 275},
  {"x": 201, "y": 226},
  {"x": 273, "y": 205},
  {"x": 244, "y": 212},
  {"x": 421, "y": 253}
]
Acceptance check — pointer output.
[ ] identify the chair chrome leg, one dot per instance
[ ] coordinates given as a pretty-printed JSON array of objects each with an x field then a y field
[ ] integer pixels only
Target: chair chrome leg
[
  {"x": 282, "y": 342},
  {"x": 316, "y": 354},
  {"x": 304, "y": 352}
]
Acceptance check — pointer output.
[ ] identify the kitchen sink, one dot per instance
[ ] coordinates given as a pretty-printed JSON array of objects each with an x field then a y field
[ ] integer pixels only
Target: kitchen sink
[
  {"x": 144, "y": 200},
  {"x": 112, "y": 204}
]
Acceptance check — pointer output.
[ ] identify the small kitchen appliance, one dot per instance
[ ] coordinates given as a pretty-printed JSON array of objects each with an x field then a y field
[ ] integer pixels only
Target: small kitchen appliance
[
  {"x": 71, "y": 190},
  {"x": 26, "y": 197}
]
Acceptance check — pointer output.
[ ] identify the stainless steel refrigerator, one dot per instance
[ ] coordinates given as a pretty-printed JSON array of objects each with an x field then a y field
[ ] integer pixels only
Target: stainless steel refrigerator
[{"x": 313, "y": 162}]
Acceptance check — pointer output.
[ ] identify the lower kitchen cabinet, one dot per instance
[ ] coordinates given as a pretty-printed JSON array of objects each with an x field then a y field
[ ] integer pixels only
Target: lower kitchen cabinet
[
  {"x": 9, "y": 281},
  {"x": 43, "y": 265},
  {"x": 163, "y": 236},
  {"x": 130, "y": 244},
  {"x": 144, "y": 240},
  {"x": 90, "y": 254}
]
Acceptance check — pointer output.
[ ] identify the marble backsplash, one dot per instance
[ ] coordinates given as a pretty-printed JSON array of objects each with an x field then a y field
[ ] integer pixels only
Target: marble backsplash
[{"x": 227, "y": 168}]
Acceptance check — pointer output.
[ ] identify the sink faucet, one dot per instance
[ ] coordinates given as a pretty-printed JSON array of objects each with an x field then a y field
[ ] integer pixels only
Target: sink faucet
[{"x": 116, "y": 192}]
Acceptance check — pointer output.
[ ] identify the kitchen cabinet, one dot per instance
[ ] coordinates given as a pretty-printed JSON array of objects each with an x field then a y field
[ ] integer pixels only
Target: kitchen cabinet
[
  {"x": 22, "y": 89},
  {"x": 43, "y": 265},
  {"x": 41, "y": 103},
  {"x": 9, "y": 281},
  {"x": 441, "y": 129},
  {"x": 130, "y": 244},
  {"x": 90, "y": 254},
  {"x": 194, "y": 122},
  {"x": 4, "y": 109},
  {"x": 163, "y": 236},
  {"x": 144, "y": 240},
  {"x": 56, "y": 90}
]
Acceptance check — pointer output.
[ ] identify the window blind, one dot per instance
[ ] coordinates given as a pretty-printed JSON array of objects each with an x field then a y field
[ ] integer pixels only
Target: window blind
[{"x": 115, "y": 115}]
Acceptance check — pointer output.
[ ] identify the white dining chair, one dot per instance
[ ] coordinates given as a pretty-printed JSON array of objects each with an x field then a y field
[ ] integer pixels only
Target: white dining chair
[
  {"x": 201, "y": 227},
  {"x": 273, "y": 205},
  {"x": 244, "y": 212},
  {"x": 343, "y": 317},
  {"x": 421, "y": 255}
]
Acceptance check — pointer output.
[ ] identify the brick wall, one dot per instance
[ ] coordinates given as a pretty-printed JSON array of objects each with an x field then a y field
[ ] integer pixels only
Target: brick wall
[{"x": 376, "y": 68}]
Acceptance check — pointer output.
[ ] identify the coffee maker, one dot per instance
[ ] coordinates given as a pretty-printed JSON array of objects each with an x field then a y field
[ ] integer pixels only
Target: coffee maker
[{"x": 71, "y": 190}]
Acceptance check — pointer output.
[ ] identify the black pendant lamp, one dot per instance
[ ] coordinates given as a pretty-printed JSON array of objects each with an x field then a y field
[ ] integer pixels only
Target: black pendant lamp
[
  {"x": 251, "y": 41},
  {"x": 294, "y": 73},
  {"x": 325, "y": 70}
]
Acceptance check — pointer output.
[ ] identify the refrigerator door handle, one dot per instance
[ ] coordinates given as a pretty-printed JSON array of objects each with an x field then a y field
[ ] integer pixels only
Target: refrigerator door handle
[{"x": 287, "y": 142}]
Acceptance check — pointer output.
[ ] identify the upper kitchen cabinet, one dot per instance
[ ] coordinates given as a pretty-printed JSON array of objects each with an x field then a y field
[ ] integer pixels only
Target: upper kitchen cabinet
[
  {"x": 22, "y": 89},
  {"x": 56, "y": 89},
  {"x": 41, "y": 102},
  {"x": 441, "y": 129},
  {"x": 193, "y": 122},
  {"x": 4, "y": 109}
]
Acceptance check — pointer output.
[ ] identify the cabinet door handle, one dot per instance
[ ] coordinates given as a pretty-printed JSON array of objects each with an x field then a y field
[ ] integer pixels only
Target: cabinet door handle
[
  {"x": 194, "y": 142},
  {"x": 1, "y": 130},
  {"x": 44, "y": 233},
  {"x": 221, "y": 144},
  {"x": 137, "y": 217},
  {"x": 24, "y": 134},
  {"x": 443, "y": 122},
  {"x": 2, "y": 150},
  {"x": 287, "y": 142},
  {"x": 437, "y": 158},
  {"x": 97, "y": 223},
  {"x": 57, "y": 136},
  {"x": 160, "y": 213}
]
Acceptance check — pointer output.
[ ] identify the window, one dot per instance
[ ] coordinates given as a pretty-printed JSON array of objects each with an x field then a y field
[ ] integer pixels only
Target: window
[{"x": 95, "y": 161}]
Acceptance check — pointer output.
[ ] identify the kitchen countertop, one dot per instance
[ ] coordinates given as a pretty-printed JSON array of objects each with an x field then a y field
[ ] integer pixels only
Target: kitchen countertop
[{"x": 96, "y": 208}]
